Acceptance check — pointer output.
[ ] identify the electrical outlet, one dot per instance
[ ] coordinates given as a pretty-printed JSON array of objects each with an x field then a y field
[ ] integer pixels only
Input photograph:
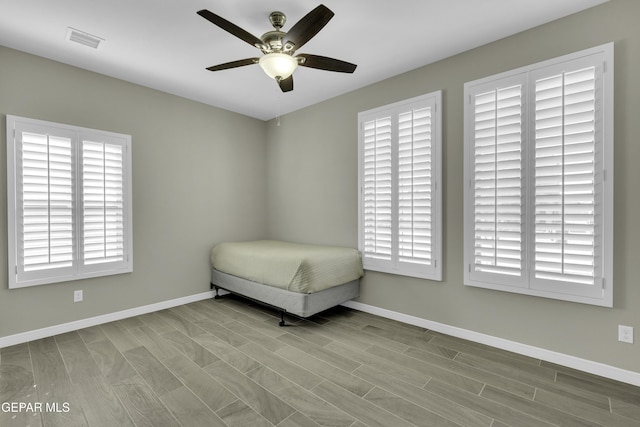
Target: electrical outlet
[
  {"x": 625, "y": 334},
  {"x": 77, "y": 296}
]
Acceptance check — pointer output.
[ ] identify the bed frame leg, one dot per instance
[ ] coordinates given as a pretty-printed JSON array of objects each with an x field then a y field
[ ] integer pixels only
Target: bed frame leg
[
  {"x": 282, "y": 318},
  {"x": 216, "y": 296}
]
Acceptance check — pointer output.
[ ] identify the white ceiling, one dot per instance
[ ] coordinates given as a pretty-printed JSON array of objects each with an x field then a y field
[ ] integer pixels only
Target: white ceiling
[{"x": 165, "y": 45}]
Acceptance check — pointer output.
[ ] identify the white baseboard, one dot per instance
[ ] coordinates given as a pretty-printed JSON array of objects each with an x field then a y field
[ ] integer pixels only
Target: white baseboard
[
  {"x": 98, "y": 320},
  {"x": 584, "y": 365}
]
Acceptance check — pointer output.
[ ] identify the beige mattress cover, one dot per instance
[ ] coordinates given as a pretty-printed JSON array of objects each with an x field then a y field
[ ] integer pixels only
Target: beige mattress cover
[{"x": 292, "y": 266}]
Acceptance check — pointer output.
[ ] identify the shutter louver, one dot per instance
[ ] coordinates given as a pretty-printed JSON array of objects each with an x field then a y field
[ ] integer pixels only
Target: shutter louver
[
  {"x": 415, "y": 187},
  {"x": 497, "y": 176},
  {"x": 377, "y": 189},
  {"x": 103, "y": 202},
  {"x": 565, "y": 205},
  {"x": 46, "y": 228}
]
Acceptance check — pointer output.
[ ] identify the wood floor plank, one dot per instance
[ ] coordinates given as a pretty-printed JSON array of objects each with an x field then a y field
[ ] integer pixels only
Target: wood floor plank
[
  {"x": 142, "y": 404},
  {"x": 208, "y": 308},
  {"x": 293, "y": 372},
  {"x": 622, "y": 392},
  {"x": 240, "y": 414},
  {"x": 358, "y": 338},
  {"x": 130, "y": 322},
  {"x": 43, "y": 345},
  {"x": 227, "y": 352},
  {"x": 53, "y": 386},
  {"x": 49, "y": 372},
  {"x": 366, "y": 412},
  {"x": 188, "y": 313},
  {"x": 504, "y": 383},
  {"x": 322, "y": 353},
  {"x": 298, "y": 420},
  {"x": 431, "y": 401},
  {"x": 484, "y": 406},
  {"x": 189, "y": 410},
  {"x": 17, "y": 384},
  {"x": 464, "y": 383},
  {"x": 625, "y": 409},
  {"x": 254, "y": 336},
  {"x": 159, "y": 378},
  {"x": 78, "y": 360},
  {"x": 110, "y": 361},
  {"x": 327, "y": 371},
  {"x": 66, "y": 337},
  {"x": 306, "y": 331},
  {"x": 119, "y": 336},
  {"x": 579, "y": 409},
  {"x": 210, "y": 391},
  {"x": 155, "y": 322},
  {"x": 157, "y": 345},
  {"x": 302, "y": 400},
  {"x": 399, "y": 371},
  {"x": 194, "y": 351},
  {"x": 527, "y": 406},
  {"x": 222, "y": 333},
  {"x": 100, "y": 404},
  {"x": 180, "y": 323},
  {"x": 490, "y": 353},
  {"x": 257, "y": 397},
  {"x": 406, "y": 410},
  {"x": 420, "y": 341},
  {"x": 92, "y": 334},
  {"x": 16, "y": 378},
  {"x": 528, "y": 374}
]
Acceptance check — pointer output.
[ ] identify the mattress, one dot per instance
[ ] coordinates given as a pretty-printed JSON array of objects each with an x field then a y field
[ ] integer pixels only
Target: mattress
[{"x": 292, "y": 266}]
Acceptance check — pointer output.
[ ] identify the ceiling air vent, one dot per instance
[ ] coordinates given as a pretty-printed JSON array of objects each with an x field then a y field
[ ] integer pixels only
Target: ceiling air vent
[{"x": 83, "y": 38}]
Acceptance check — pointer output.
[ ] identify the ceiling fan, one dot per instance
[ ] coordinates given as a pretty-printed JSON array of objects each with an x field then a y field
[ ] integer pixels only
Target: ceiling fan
[{"x": 278, "y": 47}]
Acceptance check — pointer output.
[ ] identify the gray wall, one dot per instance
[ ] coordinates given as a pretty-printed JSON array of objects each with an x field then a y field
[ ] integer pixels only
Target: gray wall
[
  {"x": 198, "y": 178},
  {"x": 312, "y": 187}
]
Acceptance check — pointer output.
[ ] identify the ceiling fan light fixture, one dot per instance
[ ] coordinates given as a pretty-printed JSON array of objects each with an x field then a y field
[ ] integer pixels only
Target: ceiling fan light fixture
[{"x": 278, "y": 66}]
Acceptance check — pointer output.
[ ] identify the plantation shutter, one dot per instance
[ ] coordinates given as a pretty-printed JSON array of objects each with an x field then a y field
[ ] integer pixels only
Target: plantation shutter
[
  {"x": 377, "y": 189},
  {"x": 497, "y": 181},
  {"x": 400, "y": 225},
  {"x": 45, "y": 231},
  {"x": 69, "y": 202},
  {"x": 566, "y": 238},
  {"x": 539, "y": 205},
  {"x": 415, "y": 187},
  {"x": 103, "y": 202}
]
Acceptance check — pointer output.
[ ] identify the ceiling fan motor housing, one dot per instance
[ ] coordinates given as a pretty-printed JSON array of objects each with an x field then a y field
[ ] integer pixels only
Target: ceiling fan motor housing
[
  {"x": 273, "y": 41},
  {"x": 277, "y": 19}
]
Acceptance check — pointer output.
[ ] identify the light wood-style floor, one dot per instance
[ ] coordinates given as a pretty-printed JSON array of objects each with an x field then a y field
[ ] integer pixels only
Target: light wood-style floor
[{"x": 227, "y": 362}]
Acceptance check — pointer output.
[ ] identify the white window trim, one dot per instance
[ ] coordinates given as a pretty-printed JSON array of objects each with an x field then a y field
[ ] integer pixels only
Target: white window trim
[
  {"x": 433, "y": 272},
  {"x": 17, "y": 279},
  {"x": 602, "y": 294}
]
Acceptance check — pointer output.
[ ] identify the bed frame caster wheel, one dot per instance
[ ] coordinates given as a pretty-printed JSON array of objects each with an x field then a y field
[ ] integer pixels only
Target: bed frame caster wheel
[{"x": 281, "y": 323}]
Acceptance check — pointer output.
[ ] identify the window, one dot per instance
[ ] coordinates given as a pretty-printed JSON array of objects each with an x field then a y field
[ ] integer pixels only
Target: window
[
  {"x": 69, "y": 202},
  {"x": 399, "y": 180},
  {"x": 538, "y": 167}
]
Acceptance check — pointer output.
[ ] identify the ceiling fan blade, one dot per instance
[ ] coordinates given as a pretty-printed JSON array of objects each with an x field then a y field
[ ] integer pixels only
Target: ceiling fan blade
[
  {"x": 231, "y": 28},
  {"x": 306, "y": 28},
  {"x": 233, "y": 64},
  {"x": 286, "y": 85},
  {"x": 324, "y": 63}
]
